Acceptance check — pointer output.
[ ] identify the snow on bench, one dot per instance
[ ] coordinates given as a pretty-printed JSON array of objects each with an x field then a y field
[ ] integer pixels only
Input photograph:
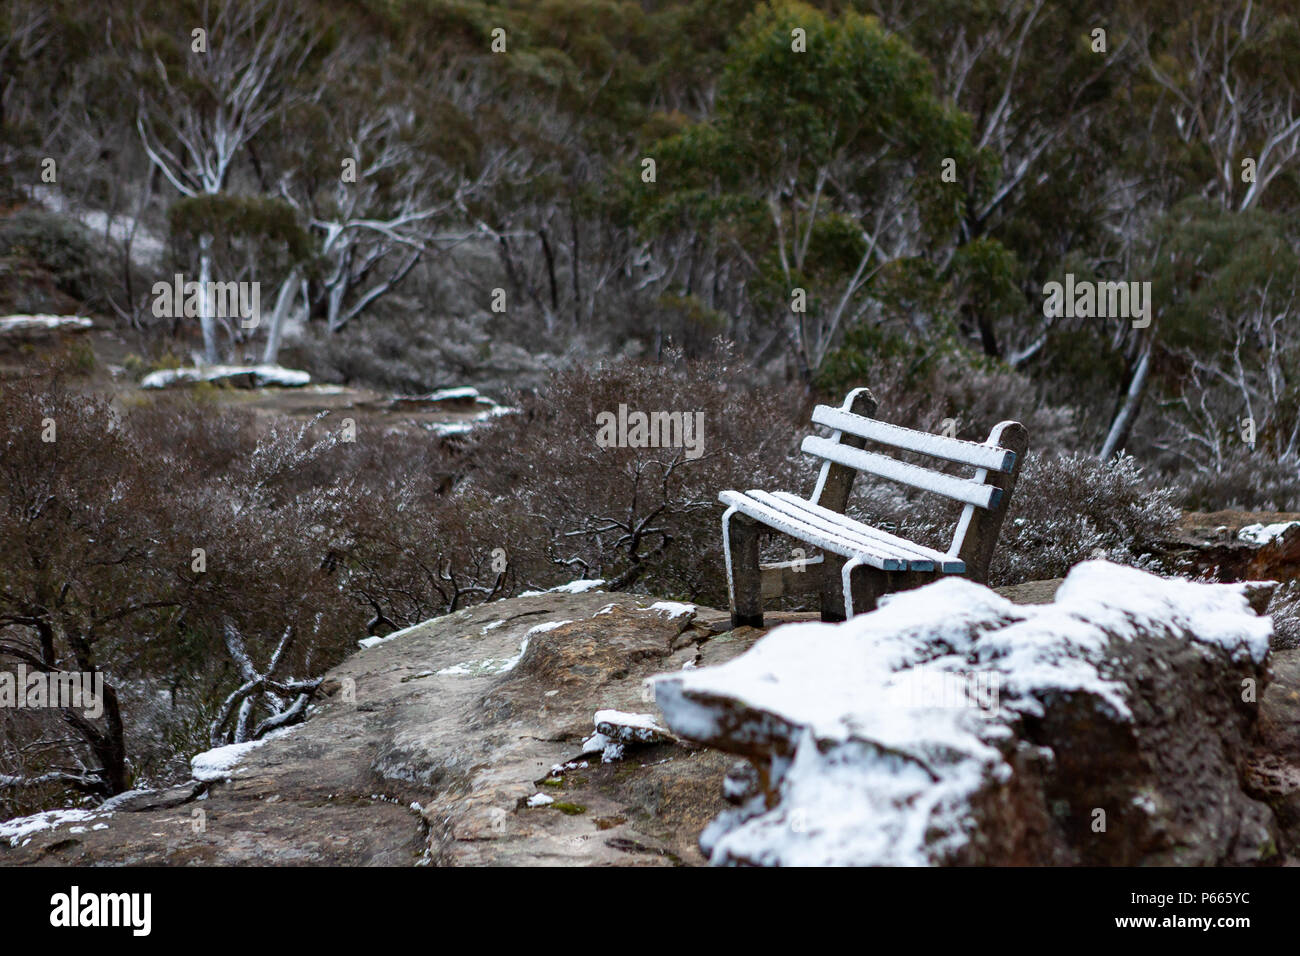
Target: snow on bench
[{"x": 859, "y": 563}]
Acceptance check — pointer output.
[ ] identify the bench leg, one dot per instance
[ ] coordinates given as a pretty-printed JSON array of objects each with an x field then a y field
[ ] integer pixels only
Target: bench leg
[
  {"x": 863, "y": 585},
  {"x": 744, "y": 580},
  {"x": 832, "y": 588}
]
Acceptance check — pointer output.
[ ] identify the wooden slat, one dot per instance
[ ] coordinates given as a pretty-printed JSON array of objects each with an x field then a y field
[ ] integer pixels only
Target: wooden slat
[
  {"x": 959, "y": 489},
  {"x": 936, "y": 446},
  {"x": 801, "y": 529},
  {"x": 947, "y": 563},
  {"x": 846, "y": 527}
]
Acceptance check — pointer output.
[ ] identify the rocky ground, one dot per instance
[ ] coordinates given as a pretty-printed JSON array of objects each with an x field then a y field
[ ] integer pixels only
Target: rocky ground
[
  {"x": 401, "y": 764},
  {"x": 444, "y": 745}
]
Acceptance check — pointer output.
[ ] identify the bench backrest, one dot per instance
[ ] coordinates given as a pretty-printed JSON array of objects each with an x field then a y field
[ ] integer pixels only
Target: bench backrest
[{"x": 986, "y": 494}]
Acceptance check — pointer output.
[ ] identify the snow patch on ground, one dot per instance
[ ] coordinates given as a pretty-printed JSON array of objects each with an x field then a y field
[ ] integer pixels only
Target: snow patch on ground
[
  {"x": 451, "y": 428},
  {"x": 498, "y": 665},
  {"x": 452, "y": 394},
  {"x": 25, "y": 323},
  {"x": 221, "y": 762},
  {"x": 376, "y": 641},
  {"x": 573, "y": 587},
  {"x": 673, "y": 608},
  {"x": 19, "y": 828}
]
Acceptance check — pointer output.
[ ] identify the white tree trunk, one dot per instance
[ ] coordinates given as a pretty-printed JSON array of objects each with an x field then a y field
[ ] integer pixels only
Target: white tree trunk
[
  {"x": 1128, "y": 411},
  {"x": 283, "y": 303},
  {"x": 206, "y": 320}
]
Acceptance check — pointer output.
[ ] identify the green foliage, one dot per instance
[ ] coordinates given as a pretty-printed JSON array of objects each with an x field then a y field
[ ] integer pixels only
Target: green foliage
[
  {"x": 869, "y": 349},
  {"x": 1212, "y": 263},
  {"x": 231, "y": 217}
]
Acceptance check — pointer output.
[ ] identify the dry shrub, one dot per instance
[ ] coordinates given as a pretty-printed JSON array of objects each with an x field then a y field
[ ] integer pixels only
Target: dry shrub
[
  {"x": 1066, "y": 509},
  {"x": 643, "y": 518}
]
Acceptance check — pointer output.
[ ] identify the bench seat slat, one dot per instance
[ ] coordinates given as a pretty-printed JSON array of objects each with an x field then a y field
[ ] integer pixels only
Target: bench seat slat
[
  {"x": 960, "y": 489},
  {"x": 936, "y": 446},
  {"x": 876, "y": 557},
  {"x": 846, "y": 527},
  {"x": 947, "y": 563}
]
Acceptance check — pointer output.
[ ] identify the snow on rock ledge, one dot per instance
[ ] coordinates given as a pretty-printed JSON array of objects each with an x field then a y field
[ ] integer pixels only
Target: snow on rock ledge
[
  {"x": 38, "y": 324},
  {"x": 242, "y": 376},
  {"x": 951, "y": 726}
]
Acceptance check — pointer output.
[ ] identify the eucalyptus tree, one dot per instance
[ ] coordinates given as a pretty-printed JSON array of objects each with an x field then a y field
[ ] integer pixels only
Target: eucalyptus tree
[
  {"x": 209, "y": 82},
  {"x": 822, "y": 163}
]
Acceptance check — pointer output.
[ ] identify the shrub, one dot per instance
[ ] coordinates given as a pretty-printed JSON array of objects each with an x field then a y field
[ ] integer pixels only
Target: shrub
[
  {"x": 1247, "y": 481},
  {"x": 1066, "y": 509},
  {"x": 98, "y": 531},
  {"x": 644, "y": 518},
  {"x": 1284, "y": 609}
]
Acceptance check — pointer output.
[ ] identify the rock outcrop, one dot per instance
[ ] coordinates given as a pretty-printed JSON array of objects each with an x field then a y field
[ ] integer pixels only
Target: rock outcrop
[
  {"x": 431, "y": 746},
  {"x": 231, "y": 376},
  {"x": 527, "y": 732},
  {"x": 953, "y": 727},
  {"x": 1235, "y": 546}
]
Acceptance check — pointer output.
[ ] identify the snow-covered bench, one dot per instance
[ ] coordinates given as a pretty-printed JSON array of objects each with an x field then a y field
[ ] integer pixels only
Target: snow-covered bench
[{"x": 859, "y": 563}]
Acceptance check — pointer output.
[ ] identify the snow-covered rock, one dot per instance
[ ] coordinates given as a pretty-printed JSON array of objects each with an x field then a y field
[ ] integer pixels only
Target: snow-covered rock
[
  {"x": 631, "y": 728},
  {"x": 1264, "y": 533},
  {"x": 22, "y": 828},
  {"x": 246, "y": 376},
  {"x": 37, "y": 324},
  {"x": 953, "y": 727}
]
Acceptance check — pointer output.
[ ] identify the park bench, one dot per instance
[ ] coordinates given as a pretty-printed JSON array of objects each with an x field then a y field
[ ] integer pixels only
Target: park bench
[{"x": 858, "y": 563}]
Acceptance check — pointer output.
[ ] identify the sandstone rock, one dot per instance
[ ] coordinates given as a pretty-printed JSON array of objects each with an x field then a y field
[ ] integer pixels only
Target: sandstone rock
[
  {"x": 1235, "y": 546},
  {"x": 413, "y": 756},
  {"x": 1106, "y": 728},
  {"x": 1273, "y": 771},
  {"x": 138, "y": 801},
  {"x": 1278, "y": 556}
]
